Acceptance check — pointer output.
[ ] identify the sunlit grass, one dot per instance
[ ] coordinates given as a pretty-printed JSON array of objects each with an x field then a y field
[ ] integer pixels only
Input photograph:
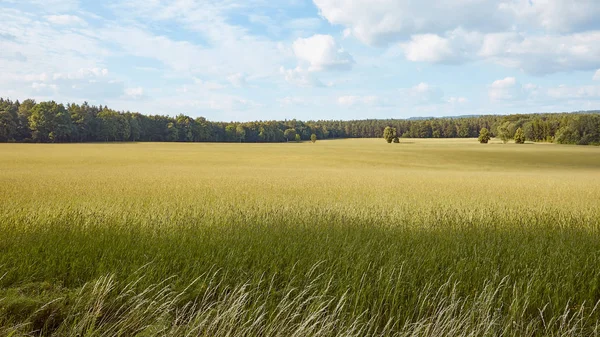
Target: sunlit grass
[{"x": 345, "y": 237}]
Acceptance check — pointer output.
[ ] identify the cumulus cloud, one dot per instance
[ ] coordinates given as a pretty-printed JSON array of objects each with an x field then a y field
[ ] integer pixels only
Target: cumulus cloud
[
  {"x": 456, "y": 47},
  {"x": 384, "y": 21},
  {"x": 555, "y": 15},
  {"x": 320, "y": 52},
  {"x": 543, "y": 54},
  {"x": 537, "y": 36},
  {"x": 66, "y": 20},
  {"x": 509, "y": 89},
  {"x": 597, "y": 75},
  {"x": 538, "y": 55},
  {"x": 504, "y": 89}
]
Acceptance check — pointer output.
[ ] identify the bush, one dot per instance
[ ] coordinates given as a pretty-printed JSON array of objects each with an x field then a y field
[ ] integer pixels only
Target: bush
[{"x": 313, "y": 138}]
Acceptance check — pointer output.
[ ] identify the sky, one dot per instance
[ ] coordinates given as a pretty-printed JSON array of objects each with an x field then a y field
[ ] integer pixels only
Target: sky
[{"x": 240, "y": 60}]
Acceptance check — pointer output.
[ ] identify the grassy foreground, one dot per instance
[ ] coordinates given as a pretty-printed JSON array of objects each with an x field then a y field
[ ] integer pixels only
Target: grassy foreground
[{"x": 338, "y": 238}]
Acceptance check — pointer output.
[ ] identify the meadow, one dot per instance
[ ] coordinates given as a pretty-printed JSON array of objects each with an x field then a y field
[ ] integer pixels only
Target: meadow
[{"x": 429, "y": 237}]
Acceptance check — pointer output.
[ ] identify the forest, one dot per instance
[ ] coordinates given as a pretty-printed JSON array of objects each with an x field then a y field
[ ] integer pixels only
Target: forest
[{"x": 46, "y": 122}]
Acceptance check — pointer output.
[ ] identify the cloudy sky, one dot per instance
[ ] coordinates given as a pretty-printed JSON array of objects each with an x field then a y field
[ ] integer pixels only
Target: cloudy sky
[{"x": 320, "y": 59}]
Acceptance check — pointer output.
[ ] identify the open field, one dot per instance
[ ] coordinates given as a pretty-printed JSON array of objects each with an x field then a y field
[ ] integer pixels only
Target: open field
[{"x": 356, "y": 237}]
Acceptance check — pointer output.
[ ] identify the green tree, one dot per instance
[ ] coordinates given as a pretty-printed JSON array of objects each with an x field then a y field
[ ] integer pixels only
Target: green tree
[
  {"x": 313, "y": 138},
  {"x": 396, "y": 140},
  {"x": 50, "y": 122},
  {"x": 503, "y": 132},
  {"x": 484, "y": 136},
  {"x": 173, "y": 132},
  {"x": 230, "y": 133},
  {"x": 136, "y": 129},
  {"x": 108, "y": 125},
  {"x": 298, "y": 138},
  {"x": 240, "y": 132},
  {"x": 8, "y": 127},
  {"x": 519, "y": 136},
  {"x": 23, "y": 119},
  {"x": 63, "y": 126},
  {"x": 289, "y": 134},
  {"x": 389, "y": 133}
]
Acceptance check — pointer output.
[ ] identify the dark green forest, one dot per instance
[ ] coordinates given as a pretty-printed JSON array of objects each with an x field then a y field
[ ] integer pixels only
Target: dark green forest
[{"x": 44, "y": 122}]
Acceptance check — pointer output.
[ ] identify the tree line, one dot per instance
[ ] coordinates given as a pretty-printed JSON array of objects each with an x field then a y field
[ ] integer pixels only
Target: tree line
[{"x": 29, "y": 121}]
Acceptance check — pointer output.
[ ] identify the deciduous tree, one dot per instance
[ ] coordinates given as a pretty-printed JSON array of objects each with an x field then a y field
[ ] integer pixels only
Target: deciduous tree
[
  {"x": 484, "y": 136},
  {"x": 289, "y": 134},
  {"x": 519, "y": 136},
  {"x": 389, "y": 133}
]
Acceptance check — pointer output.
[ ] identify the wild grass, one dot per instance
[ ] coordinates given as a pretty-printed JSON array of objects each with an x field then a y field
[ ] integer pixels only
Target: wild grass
[{"x": 348, "y": 237}]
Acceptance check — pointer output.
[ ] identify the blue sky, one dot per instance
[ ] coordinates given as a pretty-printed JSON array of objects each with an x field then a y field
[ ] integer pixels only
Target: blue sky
[{"x": 320, "y": 59}]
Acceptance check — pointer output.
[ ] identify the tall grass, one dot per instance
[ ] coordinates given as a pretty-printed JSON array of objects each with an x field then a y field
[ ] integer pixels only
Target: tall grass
[{"x": 351, "y": 238}]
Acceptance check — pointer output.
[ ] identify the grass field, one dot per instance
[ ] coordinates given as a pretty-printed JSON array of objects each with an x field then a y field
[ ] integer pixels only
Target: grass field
[{"x": 337, "y": 238}]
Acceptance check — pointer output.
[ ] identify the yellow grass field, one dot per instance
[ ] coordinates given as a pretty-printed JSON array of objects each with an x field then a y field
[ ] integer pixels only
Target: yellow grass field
[{"x": 425, "y": 237}]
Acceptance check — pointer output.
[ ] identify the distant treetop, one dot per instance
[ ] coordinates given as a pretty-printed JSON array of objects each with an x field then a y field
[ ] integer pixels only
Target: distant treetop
[{"x": 29, "y": 121}]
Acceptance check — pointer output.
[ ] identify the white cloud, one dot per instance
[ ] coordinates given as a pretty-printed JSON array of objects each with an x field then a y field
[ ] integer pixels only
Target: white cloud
[
  {"x": 574, "y": 92},
  {"x": 423, "y": 93},
  {"x": 81, "y": 74},
  {"x": 321, "y": 52},
  {"x": 428, "y": 48},
  {"x": 358, "y": 100},
  {"x": 208, "y": 85},
  {"x": 383, "y": 21},
  {"x": 456, "y": 47},
  {"x": 300, "y": 77},
  {"x": 503, "y": 89},
  {"x": 134, "y": 93},
  {"x": 56, "y": 6},
  {"x": 66, "y": 20},
  {"x": 538, "y": 55},
  {"x": 508, "y": 89},
  {"x": 543, "y": 54},
  {"x": 227, "y": 48},
  {"x": 293, "y": 101},
  {"x": 39, "y": 86},
  {"x": 457, "y": 100},
  {"x": 555, "y": 15},
  {"x": 536, "y": 36},
  {"x": 597, "y": 75},
  {"x": 237, "y": 80}
]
